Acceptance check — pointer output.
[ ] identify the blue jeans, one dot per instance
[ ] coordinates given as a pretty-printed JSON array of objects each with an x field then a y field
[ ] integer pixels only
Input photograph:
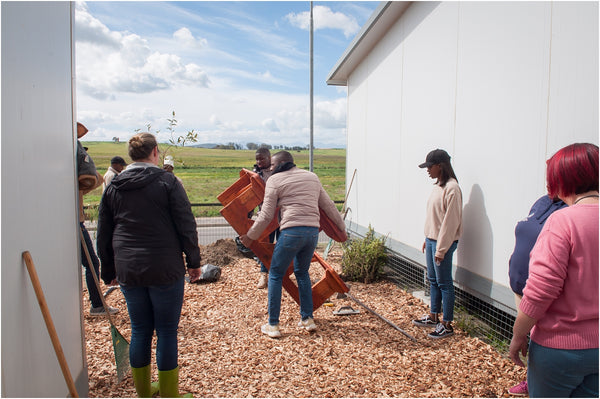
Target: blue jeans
[
  {"x": 156, "y": 307},
  {"x": 92, "y": 288},
  {"x": 562, "y": 373},
  {"x": 295, "y": 244},
  {"x": 440, "y": 280}
]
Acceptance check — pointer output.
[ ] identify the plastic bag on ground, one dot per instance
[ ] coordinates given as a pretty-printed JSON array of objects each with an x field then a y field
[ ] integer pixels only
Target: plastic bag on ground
[{"x": 210, "y": 274}]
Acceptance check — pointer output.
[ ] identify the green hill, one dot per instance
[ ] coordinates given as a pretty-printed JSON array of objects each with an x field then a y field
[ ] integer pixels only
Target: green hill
[{"x": 208, "y": 172}]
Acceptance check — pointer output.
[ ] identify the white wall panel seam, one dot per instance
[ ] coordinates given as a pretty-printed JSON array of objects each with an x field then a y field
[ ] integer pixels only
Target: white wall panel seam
[
  {"x": 549, "y": 81},
  {"x": 456, "y": 78}
]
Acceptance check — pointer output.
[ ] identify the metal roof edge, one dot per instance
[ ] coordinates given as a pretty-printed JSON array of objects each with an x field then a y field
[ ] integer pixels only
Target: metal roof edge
[{"x": 371, "y": 28}]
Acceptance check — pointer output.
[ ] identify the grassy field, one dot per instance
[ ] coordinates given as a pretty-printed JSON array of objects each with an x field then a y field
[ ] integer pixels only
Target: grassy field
[{"x": 207, "y": 172}]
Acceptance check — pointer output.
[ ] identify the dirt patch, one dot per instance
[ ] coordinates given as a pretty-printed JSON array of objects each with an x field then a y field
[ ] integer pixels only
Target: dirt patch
[{"x": 221, "y": 253}]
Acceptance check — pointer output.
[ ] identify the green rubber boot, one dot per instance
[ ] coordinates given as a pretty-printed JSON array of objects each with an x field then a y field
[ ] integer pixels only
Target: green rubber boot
[
  {"x": 141, "y": 380},
  {"x": 168, "y": 382}
]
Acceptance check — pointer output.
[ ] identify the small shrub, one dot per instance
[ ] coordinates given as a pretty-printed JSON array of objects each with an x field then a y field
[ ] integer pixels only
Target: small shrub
[{"x": 364, "y": 258}]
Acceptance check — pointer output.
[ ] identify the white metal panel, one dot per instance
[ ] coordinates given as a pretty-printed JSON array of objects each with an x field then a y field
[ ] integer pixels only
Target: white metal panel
[
  {"x": 500, "y": 86},
  {"x": 407, "y": 94},
  {"x": 383, "y": 17},
  {"x": 356, "y": 141},
  {"x": 428, "y": 94},
  {"x": 501, "y": 126},
  {"x": 573, "y": 73},
  {"x": 383, "y": 126},
  {"x": 39, "y": 200}
]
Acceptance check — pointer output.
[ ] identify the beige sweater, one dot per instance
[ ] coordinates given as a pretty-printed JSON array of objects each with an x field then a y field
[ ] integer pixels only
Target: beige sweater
[
  {"x": 444, "y": 216},
  {"x": 300, "y": 194}
]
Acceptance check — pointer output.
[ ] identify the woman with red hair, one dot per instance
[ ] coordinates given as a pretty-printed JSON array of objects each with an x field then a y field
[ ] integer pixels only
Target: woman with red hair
[{"x": 560, "y": 300}]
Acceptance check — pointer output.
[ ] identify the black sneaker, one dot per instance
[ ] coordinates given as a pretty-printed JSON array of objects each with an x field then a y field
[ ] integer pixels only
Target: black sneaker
[
  {"x": 425, "y": 321},
  {"x": 441, "y": 331}
]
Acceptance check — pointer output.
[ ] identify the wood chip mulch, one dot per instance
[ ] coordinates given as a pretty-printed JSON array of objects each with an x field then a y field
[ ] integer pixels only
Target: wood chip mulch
[{"x": 222, "y": 352}]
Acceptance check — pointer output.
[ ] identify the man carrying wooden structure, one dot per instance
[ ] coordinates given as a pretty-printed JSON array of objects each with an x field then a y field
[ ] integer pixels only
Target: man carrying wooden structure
[{"x": 297, "y": 196}]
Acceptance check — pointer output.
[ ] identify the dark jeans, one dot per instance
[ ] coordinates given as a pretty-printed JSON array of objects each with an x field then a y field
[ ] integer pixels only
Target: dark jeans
[
  {"x": 89, "y": 278},
  {"x": 295, "y": 244},
  {"x": 156, "y": 307},
  {"x": 562, "y": 373}
]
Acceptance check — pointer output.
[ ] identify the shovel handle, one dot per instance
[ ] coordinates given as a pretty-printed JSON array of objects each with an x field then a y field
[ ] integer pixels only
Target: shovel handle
[
  {"x": 96, "y": 280},
  {"x": 37, "y": 287}
]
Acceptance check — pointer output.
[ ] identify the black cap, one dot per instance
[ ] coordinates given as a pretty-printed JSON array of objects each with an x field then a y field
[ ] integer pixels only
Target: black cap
[
  {"x": 118, "y": 160},
  {"x": 435, "y": 157}
]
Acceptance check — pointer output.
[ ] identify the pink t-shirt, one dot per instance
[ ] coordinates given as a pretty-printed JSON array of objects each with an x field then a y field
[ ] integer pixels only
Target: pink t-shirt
[{"x": 561, "y": 292}]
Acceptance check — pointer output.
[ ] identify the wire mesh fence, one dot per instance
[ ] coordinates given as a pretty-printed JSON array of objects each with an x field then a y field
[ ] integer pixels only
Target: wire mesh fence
[
  {"x": 214, "y": 227},
  {"x": 479, "y": 317},
  {"x": 210, "y": 228}
]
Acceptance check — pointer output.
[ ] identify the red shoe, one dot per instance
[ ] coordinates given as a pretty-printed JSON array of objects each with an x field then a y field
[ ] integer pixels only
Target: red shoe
[{"x": 520, "y": 389}]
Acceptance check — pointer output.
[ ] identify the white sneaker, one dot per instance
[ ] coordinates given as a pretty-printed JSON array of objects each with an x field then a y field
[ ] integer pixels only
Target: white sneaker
[
  {"x": 308, "y": 324},
  {"x": 263, "y": 281},
  {"x": 271, "y": 331}
]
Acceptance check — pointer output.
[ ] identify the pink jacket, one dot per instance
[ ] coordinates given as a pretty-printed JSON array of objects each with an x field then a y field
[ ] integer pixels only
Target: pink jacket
[
  {"x": 561, "y": 292},
  {"x": 300, "y": 194}
]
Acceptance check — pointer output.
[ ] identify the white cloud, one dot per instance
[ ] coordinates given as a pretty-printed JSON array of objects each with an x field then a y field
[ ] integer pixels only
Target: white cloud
[
  {"x": 224, "y": 126},
  {"x": 90, "y": 29},
  {"x": 258, "y": 34},
  {"x": 270, "y": 125},
  {"x": 256, "y": 116},
  {"x": 214, "y": 119},
  {"x": 228, "y": 75},
  {"x": 287, "y": 62},
  {"x": 109, "y": 63},
  {"x": 324, "y": 18},
  {"x": 185, "y": 37},
  {"x": 268, "y": 77},
  {"x": 331, "y": 114},
  {"x": 148, "y": 78}
]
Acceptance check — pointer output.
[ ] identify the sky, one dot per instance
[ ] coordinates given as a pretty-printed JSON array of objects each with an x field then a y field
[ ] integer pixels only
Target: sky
[{"x": 231, "y": 71}]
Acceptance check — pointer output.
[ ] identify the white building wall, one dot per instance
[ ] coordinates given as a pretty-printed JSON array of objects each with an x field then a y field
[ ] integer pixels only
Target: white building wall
[
  {"x": 573, "y": 101},
  {"x": 39, "y": 200},
  {"x": 501, "y": 86}
]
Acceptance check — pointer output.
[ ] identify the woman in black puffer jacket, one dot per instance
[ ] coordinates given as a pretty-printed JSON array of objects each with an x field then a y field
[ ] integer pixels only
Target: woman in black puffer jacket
[{"x": 145, "y": 223}]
